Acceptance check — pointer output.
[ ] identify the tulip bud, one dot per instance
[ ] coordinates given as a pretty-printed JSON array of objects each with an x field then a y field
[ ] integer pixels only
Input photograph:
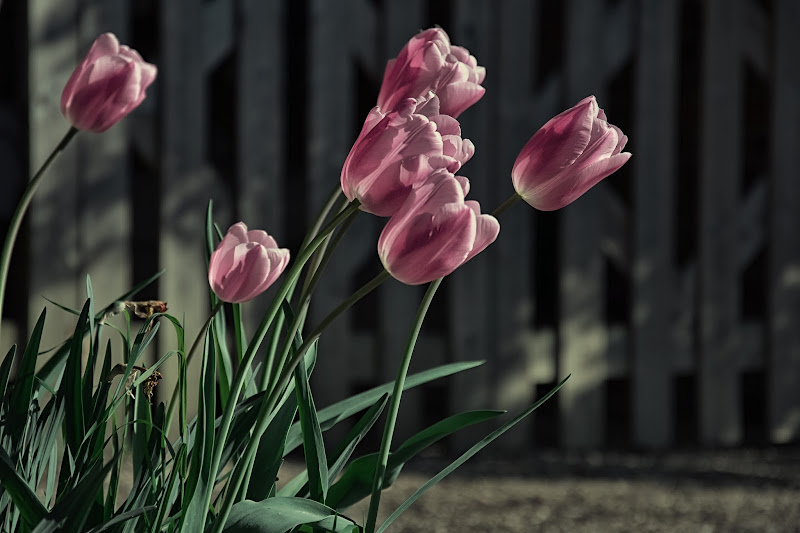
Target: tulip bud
[
  {"x": 106, "y": 86},
  {"x": 245, "y": 264},
  {"x": 568, "y": 156},
  {"x": 434, "y": 232},
  {"x": 428, "y": 62},
  {"x": 397, "y": 149}
]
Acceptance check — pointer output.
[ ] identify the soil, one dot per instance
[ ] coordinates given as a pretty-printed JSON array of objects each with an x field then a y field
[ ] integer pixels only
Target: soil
[{"x": 704, "y": 492}]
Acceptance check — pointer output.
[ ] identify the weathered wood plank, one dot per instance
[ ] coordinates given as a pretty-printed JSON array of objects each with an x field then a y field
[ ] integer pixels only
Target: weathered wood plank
[
  {"x": 103, "y": 184},
  {"x": 512, "y": 255},
  {"x": 186, "y": 179},
  {"x": 582, "y": 333},
  {"x": 329, "y": 140},
  {"x": 784, "y": 219},
  {"x": 719, "y": 202},
  {"x": 470, "y": 300},
  {"x": 54, "y": 251},
  {"x": 261, "y": 146},
  {"x": 654, "y": 283}
]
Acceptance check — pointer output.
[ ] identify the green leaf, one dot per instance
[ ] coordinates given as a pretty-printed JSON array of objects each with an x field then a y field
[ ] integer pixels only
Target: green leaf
[
  {"x": 201, "y": 479},
  {"x": 22, "y": 392},
  {"x": 313, "y": 445},
  {"x": 356, "y": 482},
  {"x": 343, "y": 452},
  {"x": 5, "y": 371},
  {"x": 74, "y": 507},
  {"x": 270, "y": 452},
  {"x": 122, "y": 517},
  {"x": 29, "y": 506},
  {"x": 279, "y": 515},
  {"x": 71, "y": 387},
  {"x": 465, "y": 457},
  {"x": 333, "y": 414}
]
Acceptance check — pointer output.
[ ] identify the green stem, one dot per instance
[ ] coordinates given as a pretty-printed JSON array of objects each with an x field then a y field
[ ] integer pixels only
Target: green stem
[
  {"x": 394, "y": 407},
  {"x": 269, "y": 360},
  {"x": 19, "y": 214},
  {"x": 505, "y": 205},
  {"x": 288, "y": 283},
  {"x": 265, "y": 413},
  {"x": 314, "y": 274}
]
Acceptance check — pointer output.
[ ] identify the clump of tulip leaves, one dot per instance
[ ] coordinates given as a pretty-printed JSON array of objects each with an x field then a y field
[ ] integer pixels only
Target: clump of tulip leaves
[{"x": 74, "y": 423}]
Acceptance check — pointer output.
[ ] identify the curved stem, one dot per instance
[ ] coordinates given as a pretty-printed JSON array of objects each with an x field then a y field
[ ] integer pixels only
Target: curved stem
[
  {"x": 265, "y": 413},
  {"x": 394, "y": 407},
  {"x": 19, "y": 214},
  {"x": 288, "y": 283},
  {"x": 314, "y": 274},
  {"x": 505, "y": 205}
]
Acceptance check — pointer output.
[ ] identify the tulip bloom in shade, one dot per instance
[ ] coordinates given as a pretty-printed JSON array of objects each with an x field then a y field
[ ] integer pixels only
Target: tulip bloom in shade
[
  {"x": 428, "y": 62},
  {"x": 106, "y": 86},
  {"x": 395, "y": 150},
  {"x": 245, "y": 264},
  {"x": 568, "y": 156},
  {"x": 434, "y": 232}
]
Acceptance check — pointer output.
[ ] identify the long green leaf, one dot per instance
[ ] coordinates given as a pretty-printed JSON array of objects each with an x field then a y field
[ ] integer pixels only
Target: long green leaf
[
  {"x": 343, "y": 452},
  {"x": 466, "y": 456},
  {"x": 270, "y": 453},
  {"x": 31, "y": 509},
  {"x": 201, "y": 478},
  {"x": 22, "y": 392},
  {"x": 122, "y": 517},
  {"x": 279, "y": 515},
  {"x": 313, "y": 445},
  {"x": 71, "y": 387},
  {"x": 5, "y": 372},
  {"x": 333, "y": 414},
  {"x": 356, "y": 482}
]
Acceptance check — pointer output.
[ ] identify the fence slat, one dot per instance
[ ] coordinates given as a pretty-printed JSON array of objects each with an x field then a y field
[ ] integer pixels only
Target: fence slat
[
  {"x": 719, "y": 201},
  {"x": 53, "y": 217},
  {"x": 784, "y": 276},
  {"x": 470, "y": 300},
  {"x": 186, "y": 179},
  {"x": 654, "y": 281},
  {"x": 582, "y": 329},
  {"x": 511, "y": 257}
]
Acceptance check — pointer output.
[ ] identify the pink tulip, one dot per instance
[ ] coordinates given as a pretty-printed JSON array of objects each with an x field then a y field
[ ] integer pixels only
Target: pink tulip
[
  {"x": 397, "y": 149},
  {"x": 106, "y": 86},
  {"x": 434, "y": 232},
  {"x": 568, "y": 156},
  {"x": 428, "y": 62},
  {"x": 245, "y": 264}
]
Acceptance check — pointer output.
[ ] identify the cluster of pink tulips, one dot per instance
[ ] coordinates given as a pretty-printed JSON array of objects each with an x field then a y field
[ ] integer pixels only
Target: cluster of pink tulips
[{"x": 405, "y": 165}]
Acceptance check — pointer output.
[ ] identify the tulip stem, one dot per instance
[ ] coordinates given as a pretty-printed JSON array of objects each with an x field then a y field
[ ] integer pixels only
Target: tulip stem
[
  {"x": 314, "y": 273},
  {"x": 394, "y": 407},
  {"x": 227, "y": 417},
  {"x": 505, "y": 205},
  {"x": 265, "y": 414},
  {"x": 19, "y": 214}
]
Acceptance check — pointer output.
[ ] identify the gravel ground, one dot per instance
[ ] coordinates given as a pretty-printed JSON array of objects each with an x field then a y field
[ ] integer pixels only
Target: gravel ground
[{"x": 704, "y": 492}]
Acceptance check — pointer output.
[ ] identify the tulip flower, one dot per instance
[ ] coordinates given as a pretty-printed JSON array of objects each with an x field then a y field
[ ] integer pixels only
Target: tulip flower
[
  {"x": 568, "y": 156},
  {"x": 397, "y": 149},
  {"x": 245, "y": 264},
  {"x": 428, "y": 62},
  {"x": 434, "y": 232},
  {"x": 106, "y": 86}
]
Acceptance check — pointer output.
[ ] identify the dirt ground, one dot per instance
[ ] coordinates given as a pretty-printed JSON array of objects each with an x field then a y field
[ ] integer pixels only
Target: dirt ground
[{"x": 703, "y": 492}]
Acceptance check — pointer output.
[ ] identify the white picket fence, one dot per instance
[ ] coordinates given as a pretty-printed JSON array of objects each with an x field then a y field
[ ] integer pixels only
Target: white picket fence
[{"x": 670, "y": 293}]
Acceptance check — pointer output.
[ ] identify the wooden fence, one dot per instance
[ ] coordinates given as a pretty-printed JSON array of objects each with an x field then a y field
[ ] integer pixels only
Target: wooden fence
[{"x": 671, "y": 292}]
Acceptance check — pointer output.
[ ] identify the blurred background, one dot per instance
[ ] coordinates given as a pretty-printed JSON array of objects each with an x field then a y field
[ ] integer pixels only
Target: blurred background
[{"x": 670, "y": 292}]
